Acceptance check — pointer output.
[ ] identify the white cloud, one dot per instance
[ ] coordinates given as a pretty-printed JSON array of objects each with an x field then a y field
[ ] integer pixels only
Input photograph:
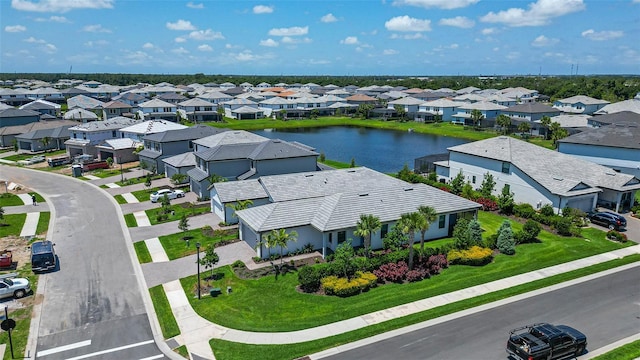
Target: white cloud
[
  {"x": 269, "y": 43},
  {"x": 389, "y": 52},
  {"x": 49, "y": 48},
  {"x": 181, "y": 25},
  {"x": 34, "y": 40},
  {"x": 329, "y": 18},
  {"x": 193, "y": 5},
  {"x": 204, "y": 35},
  {"x": 602, "y": 35},
  {"x": 60, "y": 5},
  {"x": 458, "y": 21},
  {"x": 636, "y": 1},
  {"x": 180, "y": 39},
  {"x": 205, "y": 47},
  {"x": 54, "y": 18},
  {"x": 406, "y": 23},
  {"x": 97, "y": 28},
  {"x": 542, "y": 40},
  {"x": 407, "y": 36},
  {"x": 262, "y": 9},
  {"x": 489, "y": 31},
  {"x": 454, "y": 46},
  {"x": 92, "y": 43},
  {"x": 291, "y": 40},
  {"x": 148, "y": 46},
  {"x": 539, "y": 13},
  {"x": 15, "y": 28},
  {"x": 180, "y": 51},
  {"x": 292, "y": 31},
  {"x": 349, "y": 40},
  {"x": 442, "y": 4}
]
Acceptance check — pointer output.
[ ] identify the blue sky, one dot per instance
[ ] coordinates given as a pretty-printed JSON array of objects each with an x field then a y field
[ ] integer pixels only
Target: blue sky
[{"x": 306, "y": 37}]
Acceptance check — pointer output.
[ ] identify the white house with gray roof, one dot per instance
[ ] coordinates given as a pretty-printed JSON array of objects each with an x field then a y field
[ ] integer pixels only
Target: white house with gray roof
[
  {"x": 580, "y": 104},
  {"x": 83, "y": 138},
  {"x": 540, "y": 176},
  {"x": 324, "y": 207}
]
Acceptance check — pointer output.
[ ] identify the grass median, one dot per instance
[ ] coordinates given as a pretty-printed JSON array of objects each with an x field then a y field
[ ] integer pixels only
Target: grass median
[
  {"x": 142, "y": 252},
  {"x": 629, "y": 351},
  {"x": 184, "y": 244},
  {"x": 165, "y": 316},
  {"x": 225, "y": 350}
]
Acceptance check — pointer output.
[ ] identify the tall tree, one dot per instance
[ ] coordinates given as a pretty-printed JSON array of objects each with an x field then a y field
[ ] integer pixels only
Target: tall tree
[
  {"x": 343, "y": 258},
  {"x": 545, "y": 121},
  {"x": 487, "y": 186},
  {"x": 504, "y": 122},
  {"x": 399, "y": 109},
  {"x": 524, "y": 127},
  {"x": 557, "y": 132},
  {"x": 477, "y": 117},
  {"x": 457, "y": 183},
  {"x": 506, "y": 243},
  {"x": 281, "y": 238},
  {"x": 220, "y": 111},
  {"x": 409, "y": 224},
  {"x": 367, "y": 226},
  {"x": 429, "y": 215},
  {"x": 240, "y": 205},
  {"x": 46, "y": 140}
]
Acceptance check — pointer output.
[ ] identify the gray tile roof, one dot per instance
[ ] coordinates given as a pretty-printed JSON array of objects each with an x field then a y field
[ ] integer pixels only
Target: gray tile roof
[
  {"x": 14, "y": 112},
  {"x": 226, "y": 152},
  {"x": 619, "y": 136},
  {"x": 230, "y": 137},
  {"x": 531, "y": 108},
  {"x": 240, "y": 190},
  {"x": 626, "y": 105},
  {"x": 115, "y": 123},
  {"x": 559, "y": 173},
  {"x": 181, "y": 160},
  {"x": 197, "y": 174},
  {"x": 191, "y": 133},
  {"x": 622, "y": 117},
  {"x": 586, "y": 100},
  {"x": 279, "y": 149}
]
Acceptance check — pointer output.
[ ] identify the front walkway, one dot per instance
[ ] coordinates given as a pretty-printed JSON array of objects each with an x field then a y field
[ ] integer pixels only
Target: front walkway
[{"x": 196, "y": 331}]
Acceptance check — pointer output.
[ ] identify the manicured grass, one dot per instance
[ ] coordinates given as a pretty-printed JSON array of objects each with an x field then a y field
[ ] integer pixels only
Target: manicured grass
[
  {"x": 43, "y": 222},
  {"x": 105, "y": 173},
  {"x": 138, "y": 180},
  {"x": 225, "y": 350},
  {"x": 168, "y": 323},
  {"x": 182, "y": 351},
  {"x": 176, "y": 247},
  {"x": 142, "y": 252},
  {"x": 177, "y": 211},
  {"x": 241, "y": 308},
  {"x": 12, "y": 224},
  {"x": 336, "y": 164},
  {"x": 24, "y": 156},
  {"x": 629, "y": 351},
  {"x": 120, "y": 199},
  {"x": 7, "y": 199},
  {"x": 144, "y": 195},
  {"x": 130, "y": 220}
]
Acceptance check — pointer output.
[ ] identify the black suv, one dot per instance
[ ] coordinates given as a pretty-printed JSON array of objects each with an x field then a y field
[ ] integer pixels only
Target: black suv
[{"x": 609, "y": 220}]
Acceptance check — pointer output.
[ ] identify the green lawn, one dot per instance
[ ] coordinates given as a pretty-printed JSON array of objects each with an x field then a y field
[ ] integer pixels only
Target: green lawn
[
  {"x": 43, "y": 222},
  {"x": 225, "y": 350},
  {"x": 142, "y": 252},
  {"x": 182, "y": 351},
  {"x": 22, "y": 316},
  {"x": 241, "y": 309},
  {"x": 24, "y": 156},
  {"x": 144, "y": 195},
  {"x": 8, "y": 199},
  {"x": 168, "y": 323},
  {"x": 176, "y": 247},
  {"x": 12, "y": 224},
  {"x": 130, "y": 220},
  {"x": 138, "y": 180},
  {"x": 336, "y": 164},
  {"x": 178, "y": 209},
  {"x": 120, "y": 199},
  {"x": 629, "y": 351},
  {"x": 105, "y": 173}
]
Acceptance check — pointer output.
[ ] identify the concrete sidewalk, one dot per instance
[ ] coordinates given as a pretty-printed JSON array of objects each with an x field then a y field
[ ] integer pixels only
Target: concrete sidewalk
[{"x": 196, "y": 336}]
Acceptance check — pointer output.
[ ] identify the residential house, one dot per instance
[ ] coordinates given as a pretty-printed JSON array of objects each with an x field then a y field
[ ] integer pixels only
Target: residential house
[
  {"x": 85, "y": 102},
  {"x": 324, "y": 207},
  {"x": 43, "y": 139},
  {"x": 83, "y": 138},
  {"x": 580, "y": 104},
  {"x": 532, "y": 113},
  {"x": 13, "y": 117},
  {"x": 622, "y": 117},
  {"x": 171, "y": 97},
  {"x": 43, "y": 107},
  {"x": 488, "y": 110},
  {"x": 161, "y": 145},
  {"x": 241, "y": 155},
  {"x": 199, "y": 110},
  {"x": 632, "y": 105},
  {"x": 158, "y": 109},
  {"x": 539, "y": 176},
  {"x": 130, "y": 98},
  {"x": 521, "y": 94},
  {"x": 139, "y": 130},
  {"x": 80, "y": 115},
  {"x": 409, "y": 104},
  {"x": 8, "y": 133},
  {"x": 614, "y": 146},
  {"x": 120, "y": 150},
  {"x": 444, "y": 108},
  {"x": 116, "y": 108}
]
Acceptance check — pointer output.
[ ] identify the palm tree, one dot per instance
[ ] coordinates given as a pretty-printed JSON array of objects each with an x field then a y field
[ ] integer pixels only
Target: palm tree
[
  {"x": 366, "y": 226},
  {"x": 399, "y": 109},
  {"x": 546, "y": 122},
  {"x": 429, "y": 214},
  {"x": 409, "y": 223},
  {"x": 282, "y": 238},
  {"x": 524, "y": 127},
  {"x": 505, "y": 123},
  {"x": 240, "y": 205},
  {"x": 214, "y": 178},
  {"x": 45, "y": 142},
  {"x": 476, "y": 117},
  {"x": 220, "y": 111}
]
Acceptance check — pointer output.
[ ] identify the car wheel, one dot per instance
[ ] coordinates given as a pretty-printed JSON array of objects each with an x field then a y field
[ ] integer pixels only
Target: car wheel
[
  {"x": 180, "y": 195},
  {"x": 579, "y": 351},
  {"x": 19, "y": 294}
]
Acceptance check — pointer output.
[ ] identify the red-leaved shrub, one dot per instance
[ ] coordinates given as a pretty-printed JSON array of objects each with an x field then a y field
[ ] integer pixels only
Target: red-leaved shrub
[{"x": 395, "y": 272}]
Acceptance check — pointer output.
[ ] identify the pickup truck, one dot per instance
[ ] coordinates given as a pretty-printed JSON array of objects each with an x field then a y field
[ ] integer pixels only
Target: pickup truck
[{"x": 545, "y": 341}]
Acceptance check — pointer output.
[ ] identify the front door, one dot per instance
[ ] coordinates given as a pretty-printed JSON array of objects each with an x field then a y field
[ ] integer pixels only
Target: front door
[{"x": 453, "y": 218}]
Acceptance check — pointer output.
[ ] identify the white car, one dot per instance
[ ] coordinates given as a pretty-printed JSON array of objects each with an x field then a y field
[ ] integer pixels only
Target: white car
[
  {"x": 14, "y": 287},
  {"x": 171, "y": 194}
]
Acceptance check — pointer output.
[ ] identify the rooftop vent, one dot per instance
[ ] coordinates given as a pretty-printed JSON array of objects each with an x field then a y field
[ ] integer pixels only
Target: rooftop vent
[
  {"x": 558, "y": 178},
  {"x": 363, "y": 194},
  {"x": 408, "y": 189},
  {"x": 612, "y": 173}
]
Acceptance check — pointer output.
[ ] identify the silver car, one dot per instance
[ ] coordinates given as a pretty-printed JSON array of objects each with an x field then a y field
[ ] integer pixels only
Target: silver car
[
  {"x": 171, "y": 194},
  {"x": 13, "y": 287}
]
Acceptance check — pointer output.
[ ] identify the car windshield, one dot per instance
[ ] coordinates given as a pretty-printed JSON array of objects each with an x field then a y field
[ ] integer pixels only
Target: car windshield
[{"x": 8, "y": 281}]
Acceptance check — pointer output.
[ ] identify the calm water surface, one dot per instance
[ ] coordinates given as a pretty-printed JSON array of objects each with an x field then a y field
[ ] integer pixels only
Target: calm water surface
[{"x": 382, "y": 150}]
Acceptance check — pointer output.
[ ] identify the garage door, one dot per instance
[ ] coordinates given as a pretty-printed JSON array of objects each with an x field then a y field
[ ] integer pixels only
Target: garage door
[{"x": 584, "y": 204}]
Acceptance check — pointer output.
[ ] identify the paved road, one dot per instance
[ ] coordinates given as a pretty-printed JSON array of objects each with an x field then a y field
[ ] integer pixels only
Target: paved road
[
  {"x": 93, "y": 304},
  {"x": 605, "y": 309}
]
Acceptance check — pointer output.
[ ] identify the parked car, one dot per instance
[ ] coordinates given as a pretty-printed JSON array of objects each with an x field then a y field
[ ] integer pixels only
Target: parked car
[
  {"x": 11, "y": 286},
  {"x": 545, "y": 341},
  {"x": 32, "y": 160},
  {"x": 171, "y": 194},
  {"x": 609, "y": 220},
  {"x": 43, "y": 256}
]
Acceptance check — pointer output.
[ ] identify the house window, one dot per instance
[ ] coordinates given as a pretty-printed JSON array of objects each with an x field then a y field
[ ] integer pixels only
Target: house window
[
  {"x": 342, "y": 236},
  {"x": 74, "y": 135},
  {"x": 167, "y": 109},
  {"x": 384, "y": 230},
  {"x": 113, "y": 133},
  {"x": 190, "y": 144},
  {"x": 84, "y": 136},
  {"x": 441, "y": 221},
  {"x": 156, "y": 146},
  {"x": 473, "y": 179},
  {"x": 330, "y": 238},
  {"x": 505, "y": 167}
]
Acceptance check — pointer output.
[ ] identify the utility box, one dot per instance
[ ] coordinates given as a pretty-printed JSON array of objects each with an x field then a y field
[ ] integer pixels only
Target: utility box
[{"x": 76, "y": 170}]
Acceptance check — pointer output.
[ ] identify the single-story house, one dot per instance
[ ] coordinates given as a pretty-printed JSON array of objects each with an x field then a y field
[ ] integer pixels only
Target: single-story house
[{"x": 43, "y": 139}]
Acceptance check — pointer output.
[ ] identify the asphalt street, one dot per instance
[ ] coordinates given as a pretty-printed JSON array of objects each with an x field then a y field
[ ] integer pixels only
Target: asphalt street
[
  {"x": 605, "y": 309},
  {"x": 92, "y": 305}
]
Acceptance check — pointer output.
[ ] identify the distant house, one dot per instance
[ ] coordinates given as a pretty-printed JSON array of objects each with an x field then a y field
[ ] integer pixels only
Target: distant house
[
  {"x": 622, "y": 117},
  {"x": 33, "y": 141},
  {"x": 130, "y": 98},
  {"x": 161, "y": 145},
  {"x": 615, "y": 146},
  {"x": 139, "y": 130},
  {"x": 488, "y": 110},
  {"x": 444, "y": 108},
  {"x": 158, "y": 109},
  {"x": 240, "y": 155},
  {"x": 199, "y": 110},
  {"x": 632, "y": 105},
  {"x": 540, "y": 176},
  {"x": 409, "y": 104},
  {"x": 324, "y": 207},
  {"x": 113, "y": 109},
  {"x": 531, "y": 113},
  {"x": 83, "y": 138},
  {"x": 80, "y": 115},
  {"x": 13, "y": 117},
  {"x": 120, "y": 150},
  {"x": 579, "y": 104},
  {"x": 85, "y": 102},
  {"x": 43, "y": 107}
]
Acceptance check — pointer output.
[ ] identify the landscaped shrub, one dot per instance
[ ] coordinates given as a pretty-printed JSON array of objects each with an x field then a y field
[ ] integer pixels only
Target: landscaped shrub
[
  {"x": 488, "y": 204},
  {"x": 491, "y": 241},
  {"x": 505, "y": 201},
  {"x": 475, "y": 256},
  {"x": 506, "y": 243},
  {"x": 529, "y": 233},
  {"x": 417, "y": 274},
  {"x": 394, "y": 272},
  {"x": 524, "y": 210},
  {"x": 564, "y": 226},
  {"x": 309, "y": 278},
  {"x": 547, "y": 210},
  {"x": 617, "y": 236},
  {"x": 343, "y": 287},
  {"x": 461, "y": 234},
  {"x": 475, "y": 233},
  {"x": 237, "y": 264}
]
